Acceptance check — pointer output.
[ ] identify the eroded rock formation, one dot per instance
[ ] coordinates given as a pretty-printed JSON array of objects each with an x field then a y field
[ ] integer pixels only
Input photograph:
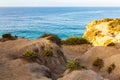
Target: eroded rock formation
[{"x": 103, "y": 32}]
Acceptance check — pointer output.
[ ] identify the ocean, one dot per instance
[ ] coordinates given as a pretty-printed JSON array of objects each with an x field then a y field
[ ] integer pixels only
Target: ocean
[{"x": 32, "y": 22}]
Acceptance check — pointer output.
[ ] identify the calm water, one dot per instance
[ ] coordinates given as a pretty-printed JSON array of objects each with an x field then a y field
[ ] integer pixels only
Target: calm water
[{"x": 33, "y": 22}]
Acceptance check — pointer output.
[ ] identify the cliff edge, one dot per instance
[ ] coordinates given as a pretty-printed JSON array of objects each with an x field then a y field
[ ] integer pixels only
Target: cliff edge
[{"x": 103, "y": 32}]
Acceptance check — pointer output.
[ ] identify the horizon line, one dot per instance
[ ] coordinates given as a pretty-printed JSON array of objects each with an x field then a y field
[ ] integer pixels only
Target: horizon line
[{"x": 59, "y": 6}]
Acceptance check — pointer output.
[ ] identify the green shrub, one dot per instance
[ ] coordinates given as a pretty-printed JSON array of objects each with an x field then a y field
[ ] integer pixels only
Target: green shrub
[
  {"x": 47, "y": 53},
  {"x": 111, "y": 68},
  {"x": 99, "y": 63},
  {"x": 30, "y": 55},
  {"x": 107, "y": 19},
  {"x": 73, "y": 65},
  {"x": 46, "y": 35},
  {"x": 75, "y": 41},
  {"x": 7, "y": 35},
  {"x": 52, "y": 37}
]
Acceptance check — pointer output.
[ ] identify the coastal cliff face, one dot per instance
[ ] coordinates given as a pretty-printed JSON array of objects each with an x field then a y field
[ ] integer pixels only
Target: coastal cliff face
[{"x": 103, "y": 32}]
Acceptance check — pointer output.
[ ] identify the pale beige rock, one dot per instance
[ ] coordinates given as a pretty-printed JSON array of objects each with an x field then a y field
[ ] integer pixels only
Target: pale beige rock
[
  {"x": 82, "y": 75},
  {"x": 110, "y": 55},
  {"x": 14, "y": 67}
]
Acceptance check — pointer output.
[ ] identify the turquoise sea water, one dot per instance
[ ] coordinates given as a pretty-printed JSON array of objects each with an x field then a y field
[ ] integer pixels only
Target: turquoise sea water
[{"x": 34, "y": 21}]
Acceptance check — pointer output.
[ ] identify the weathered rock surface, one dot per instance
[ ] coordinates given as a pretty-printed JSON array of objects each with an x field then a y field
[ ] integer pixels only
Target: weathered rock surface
[
  {"x": 110, "y": 55},
  {"x": 14, "y": 67},
  {"x": 103, "y": 32},
  {"x": 73, "y": 51},
  {"x": 82, "y": 75}
]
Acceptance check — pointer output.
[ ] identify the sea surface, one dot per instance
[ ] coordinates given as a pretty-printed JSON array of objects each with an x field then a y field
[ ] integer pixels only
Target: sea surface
[{"x": 32, "y": 22}]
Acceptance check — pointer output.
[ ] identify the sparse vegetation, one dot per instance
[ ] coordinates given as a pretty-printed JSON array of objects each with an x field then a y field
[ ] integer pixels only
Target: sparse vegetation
[
  {"x": 111, "y": 44},
  {"x": 48, "y": 53},
  {"x": 107, "y": 19},
  {"x": 52, "y": 37},
  {"x": 73, "y": 65},
  {"x": 7, "y": 36},
  {"x": 111, "y": 68},
  {"x": 96, "y": 22},
  {"x": 75, "y": 41},
  {"x": 114, "y": 26},
  {"x": 30, "y": 55},
  {"x": 99, "y": 63}
]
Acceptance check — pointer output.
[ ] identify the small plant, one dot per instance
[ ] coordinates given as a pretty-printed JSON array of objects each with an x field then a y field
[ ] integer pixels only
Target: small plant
[
  {"x": 31, "y": 55},
  {"x": 99, "y": 63},
  {"x": 47, "y": 53},
  {"x": 7, "y": 35},
  {"x": 73, "y": 65},
  {"x": 107, "y": 20},
  {"x": 111, "y": 44},
  {"x": 74, "y": 41},
  {"x": 111, "y": 68},
  {"x": 52, "y": 37}
]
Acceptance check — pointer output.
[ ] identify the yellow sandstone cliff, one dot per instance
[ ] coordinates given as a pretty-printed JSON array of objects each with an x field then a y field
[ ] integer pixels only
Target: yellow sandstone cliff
[{"x": 103, "y": 32}]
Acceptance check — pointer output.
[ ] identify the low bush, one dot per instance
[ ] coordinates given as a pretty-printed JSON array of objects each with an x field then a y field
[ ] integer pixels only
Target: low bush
[
  {"x": 47, "y": 53},
  {"x": 7, "y": 36},
  {"x": 75, "y": 41},
  {"x": 73, "y": 65},
  {"x": 111, "y": 44},
  {"x": 30, "y": 55},
  {"x": 111, "y": 68},
  {"x": 52, "y": 37},
  {"x": 99, "y": 63},
  {"x": 107, "y": 19}
]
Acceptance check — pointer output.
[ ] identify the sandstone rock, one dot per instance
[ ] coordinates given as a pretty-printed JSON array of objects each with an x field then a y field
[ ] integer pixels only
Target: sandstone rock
[
  {"x": 82, "y": 75},
  {"x": 39, "y": 71},
  {"x": 103, "y": 32},
  {"x": 110, "y": 55},
  {"x": 14, "y": 67}
]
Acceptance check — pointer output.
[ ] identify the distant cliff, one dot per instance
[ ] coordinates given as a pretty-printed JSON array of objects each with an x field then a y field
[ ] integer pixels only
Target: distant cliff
[{"x": 103, "y": 32}]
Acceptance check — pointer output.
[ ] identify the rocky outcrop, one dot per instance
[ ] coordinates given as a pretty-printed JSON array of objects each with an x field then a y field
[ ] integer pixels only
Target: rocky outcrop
[
  {"x": 13, "y": 66},
  {"x": 103, "y": 32},
  {"x": 109, "y": 55},
  {"x": 82, "y": 75}
]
